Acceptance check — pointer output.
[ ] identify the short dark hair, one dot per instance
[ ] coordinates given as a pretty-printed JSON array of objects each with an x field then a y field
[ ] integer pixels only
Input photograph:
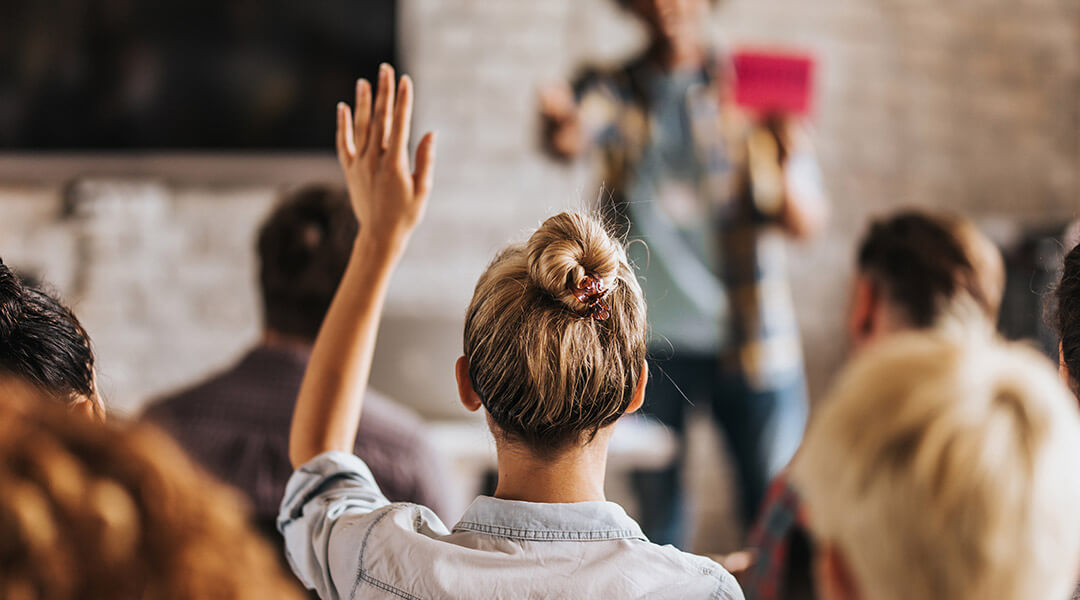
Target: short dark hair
[
  {"x": 303, "y": 248},
  {"x": 1067, "y": 317},
  {"x": 921, "y": 262},
  {"x": 41, "y": 341}
]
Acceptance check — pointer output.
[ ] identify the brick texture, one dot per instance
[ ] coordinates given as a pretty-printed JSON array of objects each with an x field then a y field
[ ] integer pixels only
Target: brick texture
[{"x": 972, "y": 105}]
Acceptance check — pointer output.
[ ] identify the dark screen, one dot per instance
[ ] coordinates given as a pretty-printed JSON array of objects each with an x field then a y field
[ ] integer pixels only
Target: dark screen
[{"x": 183, "y": 74}]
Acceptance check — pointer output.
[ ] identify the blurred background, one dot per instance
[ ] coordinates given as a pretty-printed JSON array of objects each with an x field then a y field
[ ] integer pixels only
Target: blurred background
[{"x": 142, "y": 143}]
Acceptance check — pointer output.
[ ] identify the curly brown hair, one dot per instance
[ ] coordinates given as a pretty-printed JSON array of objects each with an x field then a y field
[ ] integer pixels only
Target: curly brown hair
[{"x": 89, "y": 510}]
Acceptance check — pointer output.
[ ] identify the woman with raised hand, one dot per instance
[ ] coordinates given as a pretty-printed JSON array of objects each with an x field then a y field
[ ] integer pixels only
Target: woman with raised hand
[{"x": 554, "y": 355}]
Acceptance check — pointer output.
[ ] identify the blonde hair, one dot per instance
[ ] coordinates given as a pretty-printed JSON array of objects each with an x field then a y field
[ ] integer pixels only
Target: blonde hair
[
  {"x": 90, "y": 511},
  {"x": 948, "y": 469},
  {"x": 548, "y": 373}
]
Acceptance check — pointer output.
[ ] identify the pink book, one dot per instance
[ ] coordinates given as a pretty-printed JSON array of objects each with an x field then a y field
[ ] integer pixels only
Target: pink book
[{"x": 774, "y": 82}]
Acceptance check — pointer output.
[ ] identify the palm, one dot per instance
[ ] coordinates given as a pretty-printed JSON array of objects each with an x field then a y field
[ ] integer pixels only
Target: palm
[{"x": 387, "y": 197}]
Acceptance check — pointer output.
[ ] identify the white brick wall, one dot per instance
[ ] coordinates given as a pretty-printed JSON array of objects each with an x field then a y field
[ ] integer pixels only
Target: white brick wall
[{"x": 973, "y": 105}]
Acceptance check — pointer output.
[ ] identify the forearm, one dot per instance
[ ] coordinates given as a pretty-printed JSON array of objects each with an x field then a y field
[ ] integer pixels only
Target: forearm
[
  {"x": 331, "y": 396},
  {"x": 804, "y": 214},
  {"x": 805, "y": 210}
]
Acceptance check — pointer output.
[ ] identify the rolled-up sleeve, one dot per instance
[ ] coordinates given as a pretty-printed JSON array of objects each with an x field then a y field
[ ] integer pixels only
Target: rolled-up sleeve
[{"x": 322, "y": 492}]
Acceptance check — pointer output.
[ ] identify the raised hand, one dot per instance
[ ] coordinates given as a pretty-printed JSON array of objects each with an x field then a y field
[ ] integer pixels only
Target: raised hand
[
  {"x": 387, "y": 196},
  {"x": 561, "y": 124},
  {"x": 388, "y": 199}
]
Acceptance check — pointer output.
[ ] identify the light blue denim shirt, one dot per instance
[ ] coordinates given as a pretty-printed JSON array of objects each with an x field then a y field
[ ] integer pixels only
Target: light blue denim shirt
[{"x": 345, "y": 540}]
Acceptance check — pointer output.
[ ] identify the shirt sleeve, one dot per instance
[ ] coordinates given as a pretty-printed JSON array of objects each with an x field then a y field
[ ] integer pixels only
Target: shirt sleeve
[{"x": 318, "y": 496}]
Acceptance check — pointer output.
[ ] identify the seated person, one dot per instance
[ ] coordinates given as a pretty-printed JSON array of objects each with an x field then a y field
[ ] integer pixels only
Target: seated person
[
  {"x": 554, "y": 355},
  {"x": 44, "y": 350},
  {"x": 915, "y": 271},
  {"x": 1067, "y": 320},
  {"x": 236, "y": 424},
  {"x": 944, "y": 468},
  {"x": 91, "y": 511}
]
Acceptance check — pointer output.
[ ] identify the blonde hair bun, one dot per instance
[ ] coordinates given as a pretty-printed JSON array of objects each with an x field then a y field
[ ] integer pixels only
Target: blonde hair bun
[
  {"x": 567, "y": 248},
  {"x": 552, "y": 369}
]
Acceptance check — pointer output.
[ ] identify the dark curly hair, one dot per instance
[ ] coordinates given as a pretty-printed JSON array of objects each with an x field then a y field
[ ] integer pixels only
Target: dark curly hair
[
  {"x": 303, "y": 248},
  {"x": 1067, "y": 315},
  {"x": 42, "y": 342}
]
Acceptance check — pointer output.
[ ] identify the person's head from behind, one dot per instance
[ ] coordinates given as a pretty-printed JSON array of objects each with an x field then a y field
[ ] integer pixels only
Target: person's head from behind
[
  {"x": 917, "y": 270},
  {"x": 671, "y": 20},
  {"x": 944, "y": 469},
  {"x": 303, "y": 248},
  {"x": 88, "y": 510},
  {"x": 555, "y": 339},
  {"x": 44, "y": 350},
  {"x": 1067, "y": 320}
]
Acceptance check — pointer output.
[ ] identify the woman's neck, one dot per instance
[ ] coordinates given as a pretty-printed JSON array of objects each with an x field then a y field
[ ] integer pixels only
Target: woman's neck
[
  {"x": 576, "y": 475},
  {"x": 677, "y": 55}
]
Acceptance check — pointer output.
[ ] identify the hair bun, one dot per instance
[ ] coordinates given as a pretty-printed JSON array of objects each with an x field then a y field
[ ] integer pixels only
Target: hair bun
[
  {"x": 12, "y": 294},
  {"x": 566, "y": 250}
]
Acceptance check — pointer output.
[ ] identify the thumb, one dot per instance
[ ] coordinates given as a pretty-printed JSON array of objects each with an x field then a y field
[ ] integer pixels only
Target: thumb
[{"x": 424, "y": 174}]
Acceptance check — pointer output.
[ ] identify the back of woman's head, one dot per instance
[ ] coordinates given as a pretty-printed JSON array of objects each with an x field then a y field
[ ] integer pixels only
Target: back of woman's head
[
  {"x": 91, "y": 511},
  {"x": 555, "y": 334},
  {"x": 42, "y": 343},
  {"x": 1068, "y": 316},
  {"x": 931, "y": 265}
]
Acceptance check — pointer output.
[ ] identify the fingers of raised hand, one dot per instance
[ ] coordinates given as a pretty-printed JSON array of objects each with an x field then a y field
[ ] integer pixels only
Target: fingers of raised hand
[
  {"x": 381, "y": 119},
  {"x": 363, "y": 115},
  {"x": 399, "y": 133},
  {"x": 424, "y": 173},
  {"x": 557, "y": 101},
  {"x": 346, "y": 144}
]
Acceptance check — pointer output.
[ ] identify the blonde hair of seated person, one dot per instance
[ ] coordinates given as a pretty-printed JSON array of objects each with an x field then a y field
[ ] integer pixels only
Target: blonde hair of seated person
[
  {"x": 92, "y": 511},
  {"x": 942, "y": 468}
]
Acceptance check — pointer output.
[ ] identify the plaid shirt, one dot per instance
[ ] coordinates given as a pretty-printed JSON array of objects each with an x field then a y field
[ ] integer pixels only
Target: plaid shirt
[
  {"x": 763, "y": 337},
  {"x": 781, "y": 517}
]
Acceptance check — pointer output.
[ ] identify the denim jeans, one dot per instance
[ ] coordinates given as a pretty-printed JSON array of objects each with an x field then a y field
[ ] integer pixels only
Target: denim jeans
[{"x": 763, "y": 428}]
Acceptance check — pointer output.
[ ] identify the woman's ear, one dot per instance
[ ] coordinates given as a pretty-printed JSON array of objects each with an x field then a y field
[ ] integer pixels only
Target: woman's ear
[
  {"x": 89, "y": 407},
  {"x": 469, "y": 398},
  {"x": 864, "y": 303},
  {"x": 639, "y": 391},
  {"x": 1063, "y": 370}
]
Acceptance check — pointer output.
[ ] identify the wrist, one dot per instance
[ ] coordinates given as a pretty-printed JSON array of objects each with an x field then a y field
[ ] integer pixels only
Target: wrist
[{"x": 371, "y": 249}]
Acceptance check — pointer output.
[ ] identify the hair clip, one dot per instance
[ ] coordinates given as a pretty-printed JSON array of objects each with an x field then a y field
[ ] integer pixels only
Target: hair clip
[{"x": 590, "y": 292}]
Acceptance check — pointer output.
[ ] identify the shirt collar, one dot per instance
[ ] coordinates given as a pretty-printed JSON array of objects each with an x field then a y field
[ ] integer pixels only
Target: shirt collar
[{"x": 542, "y": 520}]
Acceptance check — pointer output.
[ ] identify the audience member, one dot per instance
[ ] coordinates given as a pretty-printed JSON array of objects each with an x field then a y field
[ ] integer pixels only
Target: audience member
[
  {"x": 673, "y": 148},
  {"x": 944, "y": 468},
  {"x": 44, "y": 350},
  {"x": 554, "y": 355},
  {"x": 1067, "y": 319},
  {"x": 237, "y": 423},
  {"x": 91, "y": 511},
  {"x": 914, "y": 271}
]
